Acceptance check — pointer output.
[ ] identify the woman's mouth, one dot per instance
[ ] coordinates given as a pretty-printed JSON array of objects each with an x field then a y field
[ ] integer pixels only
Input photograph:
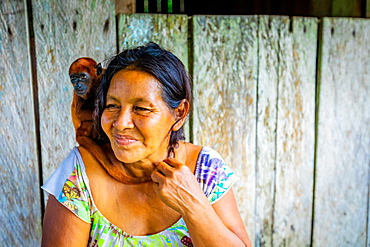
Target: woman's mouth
[{"x": 124, "y": 140}]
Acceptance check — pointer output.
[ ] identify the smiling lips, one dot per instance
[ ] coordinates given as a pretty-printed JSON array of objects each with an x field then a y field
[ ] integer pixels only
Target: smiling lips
[{"x": 124, "y": 140}]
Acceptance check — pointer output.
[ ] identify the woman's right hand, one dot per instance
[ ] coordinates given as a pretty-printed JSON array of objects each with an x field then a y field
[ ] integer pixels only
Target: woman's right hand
[{"x": 177, "y": 186}]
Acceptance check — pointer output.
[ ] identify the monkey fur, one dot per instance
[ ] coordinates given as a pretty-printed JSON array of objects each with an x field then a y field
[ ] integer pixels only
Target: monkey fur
[{"x": 85, "y": 75}]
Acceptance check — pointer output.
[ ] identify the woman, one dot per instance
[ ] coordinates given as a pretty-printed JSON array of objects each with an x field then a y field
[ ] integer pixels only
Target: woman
[{"x": 174, "y": 193}]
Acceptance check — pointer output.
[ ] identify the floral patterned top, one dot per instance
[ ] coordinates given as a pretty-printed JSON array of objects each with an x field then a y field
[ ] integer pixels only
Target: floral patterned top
[{"x": 70, "y": 186}]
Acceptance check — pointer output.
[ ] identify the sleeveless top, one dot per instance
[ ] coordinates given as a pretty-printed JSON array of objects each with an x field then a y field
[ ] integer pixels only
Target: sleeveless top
[{"x": 69, "y": 184}]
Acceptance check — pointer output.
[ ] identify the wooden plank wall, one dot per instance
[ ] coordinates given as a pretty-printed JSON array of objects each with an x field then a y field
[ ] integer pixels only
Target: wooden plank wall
[
  {"x": 257, "y": 102},
  {"x": 20, "y": 205}
]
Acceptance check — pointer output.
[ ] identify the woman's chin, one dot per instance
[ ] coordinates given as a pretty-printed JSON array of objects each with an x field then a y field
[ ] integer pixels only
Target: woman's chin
[{"x": 126, "y": 157}]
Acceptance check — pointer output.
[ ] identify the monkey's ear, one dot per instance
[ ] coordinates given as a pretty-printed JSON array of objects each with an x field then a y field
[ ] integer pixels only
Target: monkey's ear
[{"x": 99, "y": 69}]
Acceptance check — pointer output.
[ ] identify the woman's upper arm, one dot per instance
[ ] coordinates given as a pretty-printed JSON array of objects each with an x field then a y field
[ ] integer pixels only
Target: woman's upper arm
[
  {"x": 61, "y": 227},
  {"x": 227, "y": 209}
]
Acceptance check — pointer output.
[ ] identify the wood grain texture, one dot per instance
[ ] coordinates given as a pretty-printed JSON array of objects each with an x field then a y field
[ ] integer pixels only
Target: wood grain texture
[
  {"x": 343, "y": 145},
  {"x": 64, "y": 31},
  {"x": 20, "y": 210},
  {"x": 295, "y": 132},
  {"x": 225, "y": 80},
  {"x": 268, "y": 77},
  {"x": 168, "y": 31}
]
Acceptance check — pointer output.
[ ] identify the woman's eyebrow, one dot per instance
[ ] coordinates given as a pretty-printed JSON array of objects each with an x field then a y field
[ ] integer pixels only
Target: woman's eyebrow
[
  {"x": 133, "y": 100},
  {"x": 110, "y": 97}
]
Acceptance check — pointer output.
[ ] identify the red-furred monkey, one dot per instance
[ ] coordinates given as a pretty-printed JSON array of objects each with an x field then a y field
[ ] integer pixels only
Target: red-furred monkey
[{"x": 85, "y": 74}]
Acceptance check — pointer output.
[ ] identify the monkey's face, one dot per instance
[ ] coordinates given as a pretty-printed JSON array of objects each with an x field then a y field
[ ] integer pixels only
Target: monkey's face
[{"x": 81, "y": 83}]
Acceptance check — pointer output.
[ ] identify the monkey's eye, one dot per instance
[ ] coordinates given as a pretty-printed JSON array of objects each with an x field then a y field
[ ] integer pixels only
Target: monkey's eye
[{"x": 83, "y": 77}]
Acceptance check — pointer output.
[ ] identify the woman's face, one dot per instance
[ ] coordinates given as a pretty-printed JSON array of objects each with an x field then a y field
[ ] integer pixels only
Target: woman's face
[{"x": 136, "y": 119}]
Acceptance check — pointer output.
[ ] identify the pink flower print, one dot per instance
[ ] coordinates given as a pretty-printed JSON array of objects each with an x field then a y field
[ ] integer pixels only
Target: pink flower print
[{"x": 187, "y": 241}]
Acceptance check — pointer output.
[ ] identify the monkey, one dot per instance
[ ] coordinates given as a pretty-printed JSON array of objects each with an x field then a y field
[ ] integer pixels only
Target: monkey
[{"x": 85, "y": 75}]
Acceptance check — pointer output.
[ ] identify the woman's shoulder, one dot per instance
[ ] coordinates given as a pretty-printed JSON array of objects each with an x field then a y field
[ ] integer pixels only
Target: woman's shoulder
[
  {"x": 213, "y": 174},
  {"x": 199, "y": 154},
  {"x": 63, "y": 171},
  {"x": 210, "y": 153},
  {"x": 210, "y": 158}
]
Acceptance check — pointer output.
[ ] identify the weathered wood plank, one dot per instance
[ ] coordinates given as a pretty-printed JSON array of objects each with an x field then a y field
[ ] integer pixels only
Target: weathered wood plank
[
  {"x": 169, "y": 31},
  {"x": 269, "y": 35},
  {"x": 343, "y": 150},
  {"x": 225, "y": 81},
  {"x": 64, "y": 31},
  {"x": 295, "y": 142},
  {"x": 20, "y": 209}
]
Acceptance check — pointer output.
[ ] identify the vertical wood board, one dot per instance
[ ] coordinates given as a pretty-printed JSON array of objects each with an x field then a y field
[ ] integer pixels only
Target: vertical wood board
[
  {"x": 225, "y": 80},
  {"x": 20, "y": 212},
  {"x": 343, "y": 150},
  {"x": 268, "y": 78},
  {"x": 65, "y": 31},
  {"x": 295, "y": 132},
  {"x": 168, "y": 31}
]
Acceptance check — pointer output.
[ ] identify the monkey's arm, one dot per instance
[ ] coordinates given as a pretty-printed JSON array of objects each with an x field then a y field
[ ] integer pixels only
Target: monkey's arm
[
  {"x": 103, "y": 159},
  {"x": 75, "y": 119}
]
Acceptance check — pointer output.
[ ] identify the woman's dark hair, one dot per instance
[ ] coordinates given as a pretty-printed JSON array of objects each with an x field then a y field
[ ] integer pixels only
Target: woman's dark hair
[{"x": 160, "y": 63}]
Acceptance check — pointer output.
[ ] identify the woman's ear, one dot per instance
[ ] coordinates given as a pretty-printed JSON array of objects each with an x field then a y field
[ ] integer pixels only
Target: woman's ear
[{"x": 181, "y": 112}]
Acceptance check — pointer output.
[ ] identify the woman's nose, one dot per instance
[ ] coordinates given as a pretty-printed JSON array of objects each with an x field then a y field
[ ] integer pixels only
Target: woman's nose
[{"x": 124, "y": 120}]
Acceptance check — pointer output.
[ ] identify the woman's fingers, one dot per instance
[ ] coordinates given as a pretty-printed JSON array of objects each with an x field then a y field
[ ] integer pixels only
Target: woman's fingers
[
  {"x": 175, "y": 163},
  {"x": 165, "y": 169},
  {"x": 158, "y": 176}
]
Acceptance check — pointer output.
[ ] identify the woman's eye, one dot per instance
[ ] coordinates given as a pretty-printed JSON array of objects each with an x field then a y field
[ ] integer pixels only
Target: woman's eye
[
  {"x": 141, "y": 109},
  {"x": 111, "y": 107}
]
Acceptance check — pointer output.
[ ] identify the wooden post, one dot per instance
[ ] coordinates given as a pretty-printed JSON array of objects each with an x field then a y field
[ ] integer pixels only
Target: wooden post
[
  {"x": 285, "y": 130},
  {"x": 295, "y": 140},
  {"x": 225, "y": 92},
  {"x": 20, "y": 212},
  {"x": 268, "y": 49},
  {"x": 343, "y": 150}
]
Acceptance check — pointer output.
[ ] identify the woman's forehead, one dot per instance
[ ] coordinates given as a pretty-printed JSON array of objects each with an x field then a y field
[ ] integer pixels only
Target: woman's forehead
[{"x": 136, "y": 85}]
